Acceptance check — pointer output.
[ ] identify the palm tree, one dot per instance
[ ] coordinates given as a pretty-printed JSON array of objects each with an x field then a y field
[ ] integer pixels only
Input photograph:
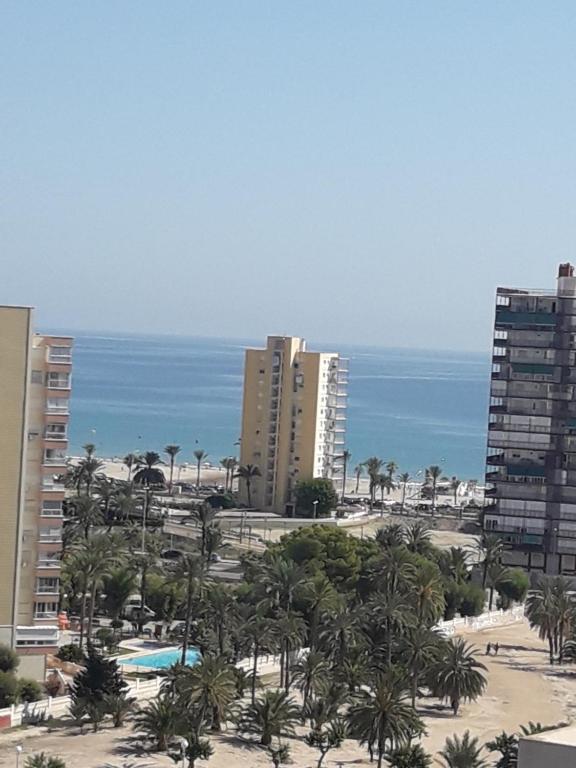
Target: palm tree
[
  {"x": 404, "y": 480},
  {"x": 200, "y": 456},
  {"x": 119, "y": 706},
  {"x": 42, "y": 760},
  {"x": 219, "y": 611},
  {"x": 172, "y": 451},
  {"x": 247, "y": 473},
  {"x": 391, "y": 468},
  {"x": 340, "y": 633},
  {"x": 130, "y": 461},
  {"x": 410, "y": 756},
  {"x": 158, "y": 721},
  {"x": 462, "y": 752},
  {"x": 385, "y": 483},
  {"x": 373, "y": 467},
  {"x": 118, "y": 584},
  {"x": 99, "y": 555},
  {"x": 358, "y": 469},
  {"x": 422, "y": 647},
  {"x": 455, "y": 487},
  {"x": 227, "y": 464},
  {"x": 308, "y": 674},
  {"x": 454, "y": 564},
  {"x": 205, "y": 516},
  {"x": 291, "y": 631},
  {"x": 87, "y": 513},
  {"x": 211, "y": 687},
  {"x": 432, "y": 476},
  {"x": 106, "y": 491},
  {"x": 418, "y": 538},
  {"x": 382, "y": 717},
  {"x": 392, "y": 535},
  {"x": 327, "y": 737},
  {"x": 427, "y": 592},
  {"x": 145, "y": 561},
  {"x": 346, "y": 456},
  {"x": 321, "y": 597},
  {"x": 272, "y": 715},
  {"x": 188, "y": 569},
  {"x": 496, "y": 576},
  {"x": 149, "y": 473},
  {"x": 491, "y": 548},
  {"x": 552, "y": 609},
  {"x": 87, "y": 468},
  {"x": 457, "y": 675},
  {"x": 391, "y": 610},
  {"x": 261, "y": 637}
]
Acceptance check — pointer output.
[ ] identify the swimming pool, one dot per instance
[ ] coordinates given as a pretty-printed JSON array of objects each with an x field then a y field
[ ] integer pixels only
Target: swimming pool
[{"x": 162, "y": 659}]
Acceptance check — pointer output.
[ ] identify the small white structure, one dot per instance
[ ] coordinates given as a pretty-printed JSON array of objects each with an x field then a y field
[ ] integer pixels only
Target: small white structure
[{"x": 556, "y": 749}]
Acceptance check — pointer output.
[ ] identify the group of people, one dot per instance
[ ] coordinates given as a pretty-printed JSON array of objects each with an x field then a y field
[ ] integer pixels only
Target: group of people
[{"x": 492, "y": 647}]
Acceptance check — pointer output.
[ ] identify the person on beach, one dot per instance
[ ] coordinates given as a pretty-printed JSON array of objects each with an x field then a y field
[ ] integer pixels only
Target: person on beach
[
  {"x": 496, "y": 647},
  {"x": 488, "y": 649}
]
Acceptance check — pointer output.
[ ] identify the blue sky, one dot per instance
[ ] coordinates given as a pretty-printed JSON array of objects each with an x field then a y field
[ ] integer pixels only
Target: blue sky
[{"x": 353, "y": 171}]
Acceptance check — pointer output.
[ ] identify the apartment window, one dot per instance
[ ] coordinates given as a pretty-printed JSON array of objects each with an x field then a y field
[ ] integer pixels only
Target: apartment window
[
  {"x": 262, "y": 371},
  {"x": 57, "y": 405},
  {"x": 51, "y": 509},
  {"x": 45, "y": 610},
  {"x": 37, "y": 377},
  {"x": 60, "y": 354},
  {"x": 47, "y": 585},
  {"x": 54, "y": 456},
  {"x": 51, "y": 535},
  {"x": 55, "y": 432},
  {"x": 57, "y": 380}
]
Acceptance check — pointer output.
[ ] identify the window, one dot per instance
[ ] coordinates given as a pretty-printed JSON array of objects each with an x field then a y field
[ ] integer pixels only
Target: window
[
  {"x": 47, "y": 585},
  {"x": 37, "y": 377},
  {"x": 45, "y": 610},
  {"x": 51, "y": 509},
  {"x": 57, "y": 405},
  {"x": 55, "y": 432},
  {"x": 60, "y": 354},
  {"x": 56, "y": 380}
]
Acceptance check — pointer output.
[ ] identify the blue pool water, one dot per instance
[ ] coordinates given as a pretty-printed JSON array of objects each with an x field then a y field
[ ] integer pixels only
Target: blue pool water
[{"x": 162, "y": 659}]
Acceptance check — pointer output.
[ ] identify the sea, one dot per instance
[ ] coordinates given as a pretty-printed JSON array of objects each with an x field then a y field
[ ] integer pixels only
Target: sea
[{"x": 138, "y": 393}]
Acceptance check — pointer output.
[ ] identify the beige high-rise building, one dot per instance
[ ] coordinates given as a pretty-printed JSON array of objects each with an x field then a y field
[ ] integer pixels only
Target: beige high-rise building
[
  {"x": 34, "y": 399},
  {"x": 293, "y": 419}
]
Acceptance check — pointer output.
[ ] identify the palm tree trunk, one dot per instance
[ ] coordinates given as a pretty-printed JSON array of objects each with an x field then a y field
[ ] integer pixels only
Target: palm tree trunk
[
  {"x": 91, "y": 608},
  {"x": 551, "y": 648},
  {"x": 357, "y": 483},
  {"x": 382, "y": 501},
  {"x": 198, "y": 476},
  {"x": 403, "y": 498},
  {"x": 248, "y": 493},
  {"x": 171, "y": 474},
  {"x": 414, "y": 689},
  {"x": 187, "y": 619},
  {"x": 255, "y": 671},
  {"x": 491, "y": 598},
  {"x": 83, "y": 613}
]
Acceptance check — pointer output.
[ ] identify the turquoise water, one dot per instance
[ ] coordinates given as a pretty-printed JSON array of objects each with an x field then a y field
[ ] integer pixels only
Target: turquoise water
[
  {"x": 139, "y": 393},
  {"x": 163, "y": 659}
]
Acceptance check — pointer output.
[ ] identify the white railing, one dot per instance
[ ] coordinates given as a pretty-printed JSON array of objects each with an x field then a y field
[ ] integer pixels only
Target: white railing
[{"x": 474, "y": 623}]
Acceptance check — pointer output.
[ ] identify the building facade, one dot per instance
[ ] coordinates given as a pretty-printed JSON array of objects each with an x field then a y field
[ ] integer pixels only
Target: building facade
[
  {"x": 293, "y": 419},
  {"x": 531, "y": 457},
  {"x": 34, "y": 412}
]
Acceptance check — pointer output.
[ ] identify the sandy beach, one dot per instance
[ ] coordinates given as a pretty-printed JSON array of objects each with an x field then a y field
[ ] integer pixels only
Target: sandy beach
[{"x": 521, "y": 687}]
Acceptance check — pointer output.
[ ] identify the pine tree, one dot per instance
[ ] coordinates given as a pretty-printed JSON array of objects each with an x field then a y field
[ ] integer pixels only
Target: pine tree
[{"x": 99, "y": 678}]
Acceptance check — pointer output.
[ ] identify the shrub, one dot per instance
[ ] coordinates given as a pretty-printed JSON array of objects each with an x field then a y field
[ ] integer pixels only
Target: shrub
[
  {"x": 319, "y": 490},
  {"x": 221, "y": 501},
  {"x": 8, "y": 689},
  {"x": 8, "y": 659},
  {"x": 29, "y": 690},
  {"x": 514, "y": 587},
  {"x": 472, "y": 600},
  {"x": 70, "y": 652}
]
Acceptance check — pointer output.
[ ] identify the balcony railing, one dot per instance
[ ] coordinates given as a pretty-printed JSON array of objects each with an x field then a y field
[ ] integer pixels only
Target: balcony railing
[
  {"x": 46, "y": 614},
  {"x": 50, "y": 538},
  {"x": 59, "y": 357},
  {"x": 62, "y": 382},
  {"x": 51, "y": 563},
  {"x": 58, "y": 460},
  {"x": 43, "y": 589},
  {"x": 50, "y": 434}
]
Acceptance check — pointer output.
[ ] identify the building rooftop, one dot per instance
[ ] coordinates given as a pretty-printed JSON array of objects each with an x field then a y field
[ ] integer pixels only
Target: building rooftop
[{"x": 565, "y": 735}]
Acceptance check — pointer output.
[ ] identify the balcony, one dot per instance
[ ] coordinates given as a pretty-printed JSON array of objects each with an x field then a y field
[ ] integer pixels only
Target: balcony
[
  {"x": 48, "y": 563},
  {"x": 59, "y": 355},
  {"x": 57, "y": 406},
  {"x": 46, "y": 589},
  {"x": 54, "y": 459},
  {"x": 38, "y": 636},
  {"x": 52, "y": 486},
  {"x": 505, "y": 316},
  {"x": 51, "y": 537},
  {"x": 56, "y": 432},
  {"x": 39, "y": 615},
  {"x": 58, "y": 381}
]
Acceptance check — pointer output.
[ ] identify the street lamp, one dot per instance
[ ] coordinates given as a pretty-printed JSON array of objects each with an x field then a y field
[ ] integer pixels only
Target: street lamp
[
  {"x": 315, "y": 505},
  {"x": 183, "y": 747},
  {"x": 18, "y": 753}
]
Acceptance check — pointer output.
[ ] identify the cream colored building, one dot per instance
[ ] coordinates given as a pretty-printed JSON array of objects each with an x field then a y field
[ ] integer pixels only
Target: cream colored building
[
  {"x": 34, "y": 408},
  {"x": 293, "y": 419}
]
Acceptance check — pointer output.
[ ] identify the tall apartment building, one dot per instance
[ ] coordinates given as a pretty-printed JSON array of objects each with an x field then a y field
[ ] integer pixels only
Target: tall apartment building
[
  {"x": 531, "y": 472},
  {"x": 34, "y": 392},
  {"x": 293, "y": 419}
]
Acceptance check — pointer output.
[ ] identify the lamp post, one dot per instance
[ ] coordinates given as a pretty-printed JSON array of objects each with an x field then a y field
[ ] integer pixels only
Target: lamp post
[
  {"x": 315, "y": 505},
  {"x": 18, "y": 753},
  {"x": 183, "y": 747}
]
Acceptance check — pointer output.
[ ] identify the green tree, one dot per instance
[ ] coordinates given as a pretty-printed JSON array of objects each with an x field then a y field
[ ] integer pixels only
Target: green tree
[
  {"x": 119, "y": 706},
  {"x": 457, "y": 675},
  {"x": 8, "y": 689},
  {"x": 308, "y": 674},
  {"x": 410, "y": 756},
  {"x": 274, "y": 714},
  {"x": 315, "y": 498},
  {"x": 9, "y": 659},
  {"x": 455, "y": 487},
  {"x": 210, "y": 687},
  {"x": 515, "y": 588},
  {"x": 327, "y": 737},
  {"x": 188, "y": 570},
  {"x": 490, "y": 548},
  {"x": 496, "y": 577},
  {"x": 432, "y": 477},
  {"x": 247, "y": 474},
  {"x": 130, "y": 461},
  {"x": 345, "y": 456},
  {"x": 421, "y": 648},
  {"x": 373, "y": 468},
  {"x": 381, "y": 717},
  {"x": 86, "y": 513},
  {"x": 200, "y": 456},
  {"x": 418, "y": 538},
  {"x": 157, "y": 722},
  {"x": 149, "y": 473},
  {"x": 462, "y": 752},
  {"x": 358, "y": 470},
  {"x": 99, "y": 677},
  {"x": 392, "y": 535},
  {"x": 118, "y": 585},
  {"x": 29, "y": 690},
  {"x": 404, "y": 480},
  {"x": 172, "y": 451}
]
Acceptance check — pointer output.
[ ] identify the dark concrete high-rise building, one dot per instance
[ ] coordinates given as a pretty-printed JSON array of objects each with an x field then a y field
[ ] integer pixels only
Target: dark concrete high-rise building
[{"x": 531, "y": 458}]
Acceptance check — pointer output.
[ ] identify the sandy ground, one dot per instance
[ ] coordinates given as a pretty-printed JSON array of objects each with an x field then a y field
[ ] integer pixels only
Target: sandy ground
[
  {"x": 184, "y": 472},
  {"x": 522, "y": 687}
]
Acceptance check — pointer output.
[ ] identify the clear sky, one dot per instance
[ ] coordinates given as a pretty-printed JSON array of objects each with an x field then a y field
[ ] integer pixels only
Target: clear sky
[{"x": 359, "y": 171}]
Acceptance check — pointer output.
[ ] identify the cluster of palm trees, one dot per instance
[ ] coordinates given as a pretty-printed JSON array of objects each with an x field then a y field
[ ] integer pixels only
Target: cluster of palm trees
[
  {"x": 359, "y": 655},
  {"x": 551, "y": 609},
  {"x": 382, "y": 476}
]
